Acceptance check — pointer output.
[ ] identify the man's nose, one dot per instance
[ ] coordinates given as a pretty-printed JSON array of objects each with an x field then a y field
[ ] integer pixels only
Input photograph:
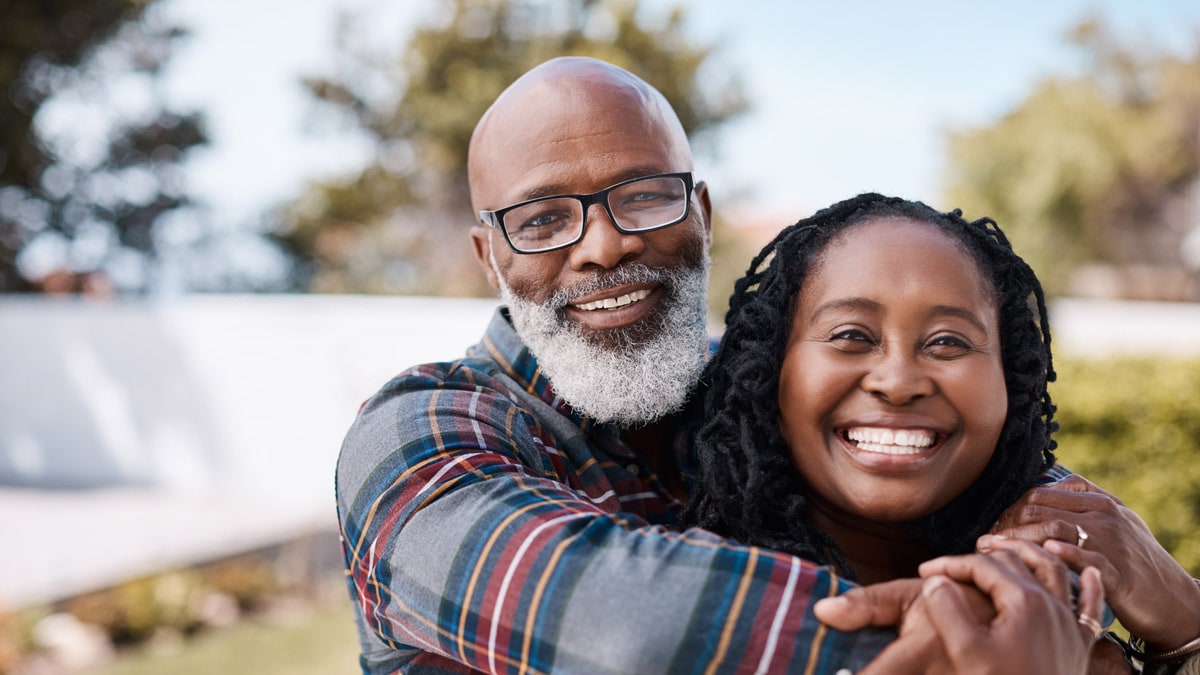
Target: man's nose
[
  {"x": 898, "y": 378},
  {"x": 603, "y": 245}
]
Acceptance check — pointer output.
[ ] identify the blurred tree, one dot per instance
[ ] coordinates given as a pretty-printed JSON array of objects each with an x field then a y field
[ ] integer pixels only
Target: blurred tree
[
  {"x": 88, "y": 153},
  {"x": 399, "y": 225},
  {"x": 1100, "y": 168}
]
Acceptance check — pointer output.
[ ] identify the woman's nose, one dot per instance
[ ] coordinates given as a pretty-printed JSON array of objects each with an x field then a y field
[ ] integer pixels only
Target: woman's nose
[{"x": 898, "y": 379}]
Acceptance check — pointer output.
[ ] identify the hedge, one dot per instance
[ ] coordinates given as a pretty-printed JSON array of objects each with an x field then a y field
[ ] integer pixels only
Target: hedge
[{"x": 1132, "y": 426}]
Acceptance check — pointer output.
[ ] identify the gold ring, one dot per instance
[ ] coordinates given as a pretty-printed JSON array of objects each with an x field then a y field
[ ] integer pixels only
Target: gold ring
[
  {"x": 1082, "y": 536},
  {"x": 1091, "y": 624}
]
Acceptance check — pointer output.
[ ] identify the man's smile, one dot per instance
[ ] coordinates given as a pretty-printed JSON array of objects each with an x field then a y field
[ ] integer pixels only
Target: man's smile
[{"x": 612, "y": 303}]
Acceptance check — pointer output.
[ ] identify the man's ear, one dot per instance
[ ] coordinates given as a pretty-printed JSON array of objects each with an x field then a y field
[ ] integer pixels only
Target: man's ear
[
  {"x": 701, "y": 191},
  {"x": 481, "y": 241}
]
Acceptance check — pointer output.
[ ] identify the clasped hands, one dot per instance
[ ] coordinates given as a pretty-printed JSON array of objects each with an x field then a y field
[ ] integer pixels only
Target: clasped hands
[{"x": 1007, "y": 608}]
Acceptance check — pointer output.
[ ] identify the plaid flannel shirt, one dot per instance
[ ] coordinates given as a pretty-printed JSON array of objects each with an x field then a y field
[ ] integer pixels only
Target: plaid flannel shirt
[{"x": 488, "y": 527}]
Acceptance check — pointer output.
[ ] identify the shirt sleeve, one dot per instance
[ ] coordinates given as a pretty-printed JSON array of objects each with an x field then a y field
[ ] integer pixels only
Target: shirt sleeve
[{"x": 466, "y": 548}]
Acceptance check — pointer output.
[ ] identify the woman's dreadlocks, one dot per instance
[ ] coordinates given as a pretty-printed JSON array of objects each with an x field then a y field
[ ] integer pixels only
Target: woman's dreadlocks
[{"x": 748, "y": 489}]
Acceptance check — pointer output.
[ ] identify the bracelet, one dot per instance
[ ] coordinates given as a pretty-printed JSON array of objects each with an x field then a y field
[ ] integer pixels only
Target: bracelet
[{"x": 1186, "y": 649}]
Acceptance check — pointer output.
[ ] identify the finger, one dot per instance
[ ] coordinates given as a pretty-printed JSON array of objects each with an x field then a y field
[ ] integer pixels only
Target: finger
[
  {"x": 1078, "y": 558},
  {"x": 905, "y": 655},
  {"x": 961, "y": 632},
  {"x": 1091, "y": 592},
  {"x": 1074, "y": 497},
  {"x": 1077, "y": 483},
  {"x": 996, "y": 574},
  {"x": 1047, "y": 525},
  {"x": 1046, "y": 567},
  {"x": 875, "y": 605},
  {"x": 1091, "y": 600},
  {"x": 965, "y": 567}
]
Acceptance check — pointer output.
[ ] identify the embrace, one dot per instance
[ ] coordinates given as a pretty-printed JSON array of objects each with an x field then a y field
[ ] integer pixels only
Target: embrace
[{"x": 860, "y": 479}]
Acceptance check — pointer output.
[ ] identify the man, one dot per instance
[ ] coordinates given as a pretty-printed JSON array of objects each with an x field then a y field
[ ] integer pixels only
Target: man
[{"x": 511, "y": 510}]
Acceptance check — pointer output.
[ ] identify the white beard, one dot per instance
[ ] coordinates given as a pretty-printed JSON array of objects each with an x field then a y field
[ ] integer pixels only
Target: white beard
[{"x": 638, "y": 379}]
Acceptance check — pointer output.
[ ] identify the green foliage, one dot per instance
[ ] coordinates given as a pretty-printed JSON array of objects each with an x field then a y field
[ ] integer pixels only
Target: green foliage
[
  {"x": 1132, "y": 426},
  {"x": 93, "y": 205},
  {"x": 400, "y": 224},
  {"x": 1096, "y": 168}
]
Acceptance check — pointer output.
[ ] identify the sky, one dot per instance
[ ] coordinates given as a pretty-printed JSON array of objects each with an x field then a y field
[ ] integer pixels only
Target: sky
[{"x": 846, "y": 97}]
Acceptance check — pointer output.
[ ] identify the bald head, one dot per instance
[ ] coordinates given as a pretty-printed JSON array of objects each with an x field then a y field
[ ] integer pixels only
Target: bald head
[{"x": 551, "y": 108}]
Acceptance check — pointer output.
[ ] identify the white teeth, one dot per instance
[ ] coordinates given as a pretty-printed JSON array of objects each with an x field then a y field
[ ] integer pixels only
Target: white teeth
[
  {"x": 891, "y": 441},
  {"x": 610, "y": 303}
]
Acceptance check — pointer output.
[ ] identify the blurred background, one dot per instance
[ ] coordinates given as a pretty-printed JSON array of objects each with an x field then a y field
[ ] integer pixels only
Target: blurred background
[{"x": 223, "y": 225}]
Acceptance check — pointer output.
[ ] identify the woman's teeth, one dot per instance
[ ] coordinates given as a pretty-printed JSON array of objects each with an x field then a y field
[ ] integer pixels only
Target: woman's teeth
[
  {"x": 612, "y": 303},
  {"x": 891, "y": 441}
]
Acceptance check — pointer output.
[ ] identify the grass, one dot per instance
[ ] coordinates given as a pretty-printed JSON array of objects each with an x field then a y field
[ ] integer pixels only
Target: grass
[{"x": 318, "y": 641}]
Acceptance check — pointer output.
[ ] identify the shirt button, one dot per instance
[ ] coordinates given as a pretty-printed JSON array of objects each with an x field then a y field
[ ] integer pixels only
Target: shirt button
[{"x": 633, "y": 469}]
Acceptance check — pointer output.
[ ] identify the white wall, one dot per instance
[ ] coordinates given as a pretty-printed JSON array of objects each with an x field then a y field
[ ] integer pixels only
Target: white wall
[
  {"x": 139, "y": 437},
  {"x": 226, "y": 393}
]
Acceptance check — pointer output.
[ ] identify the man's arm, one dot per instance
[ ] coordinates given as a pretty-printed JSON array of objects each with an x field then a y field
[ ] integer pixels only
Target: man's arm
[{"x": 463, "y": 539}]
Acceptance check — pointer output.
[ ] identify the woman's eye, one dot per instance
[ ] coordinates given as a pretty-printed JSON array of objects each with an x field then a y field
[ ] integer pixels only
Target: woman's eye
[
  {"x": 852, "y": 339},
  {"x": 949, "y": 345}
]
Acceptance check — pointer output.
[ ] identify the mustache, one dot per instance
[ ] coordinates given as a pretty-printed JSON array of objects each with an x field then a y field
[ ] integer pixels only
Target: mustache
[{"x": 630, "y": 273}]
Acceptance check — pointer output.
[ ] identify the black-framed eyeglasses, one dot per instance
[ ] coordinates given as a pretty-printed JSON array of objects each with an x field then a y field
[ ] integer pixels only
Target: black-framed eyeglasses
[{"x": 634, "y": 206}]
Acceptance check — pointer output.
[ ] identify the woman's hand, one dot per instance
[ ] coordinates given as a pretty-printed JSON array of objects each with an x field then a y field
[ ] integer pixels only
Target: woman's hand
[
  {"x": 1006, "y": 612},
  {"x": 1106, "y": 657},
  {"x": 1151, "y": 594},
  {"x": 1034, "y": 630}
]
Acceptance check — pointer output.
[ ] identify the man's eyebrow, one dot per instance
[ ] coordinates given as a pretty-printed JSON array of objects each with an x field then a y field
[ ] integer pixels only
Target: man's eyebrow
[
  {"x": 556, "y": 189},
  {"x": 865, "y": 305}
]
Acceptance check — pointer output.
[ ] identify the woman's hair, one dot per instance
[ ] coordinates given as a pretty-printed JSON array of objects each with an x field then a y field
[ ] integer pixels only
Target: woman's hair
[{"x": 747, "y": 487}]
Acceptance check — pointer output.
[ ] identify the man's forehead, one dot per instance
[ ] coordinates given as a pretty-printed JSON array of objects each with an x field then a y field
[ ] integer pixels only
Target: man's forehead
[
  {"x": 554, "y": 128},
  {"x": 565, "y": 102}
]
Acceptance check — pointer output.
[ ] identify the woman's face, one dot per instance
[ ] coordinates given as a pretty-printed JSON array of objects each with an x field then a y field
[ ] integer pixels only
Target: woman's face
[{"x": 891, "y": 393}]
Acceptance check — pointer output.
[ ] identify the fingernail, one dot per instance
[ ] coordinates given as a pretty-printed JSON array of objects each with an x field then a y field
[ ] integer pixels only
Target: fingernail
[
  {"x": 933, "y": 585},
  {"x": 1054, "y": 546},
  {"x": 833, "y": 604},
  {"x": 984, "y": 543}
]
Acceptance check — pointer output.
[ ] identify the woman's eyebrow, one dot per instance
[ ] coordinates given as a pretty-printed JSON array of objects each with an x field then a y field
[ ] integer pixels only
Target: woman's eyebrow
[
  {"x": 958, "y": 312},
  {"x": 843, "y": 304},
  {"x": 871, "y": 306}
]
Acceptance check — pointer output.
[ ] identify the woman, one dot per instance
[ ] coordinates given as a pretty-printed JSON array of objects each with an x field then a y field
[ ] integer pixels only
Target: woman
[{"x": 904, "y": 408}]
